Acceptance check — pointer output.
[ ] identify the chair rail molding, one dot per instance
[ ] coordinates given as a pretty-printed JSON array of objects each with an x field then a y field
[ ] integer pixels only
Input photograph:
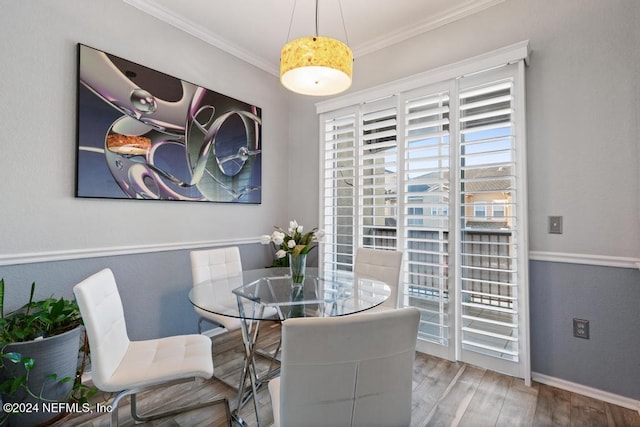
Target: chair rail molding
[
  {"x": 586, "y": 259},
  {"x": 71, "y": 254}
]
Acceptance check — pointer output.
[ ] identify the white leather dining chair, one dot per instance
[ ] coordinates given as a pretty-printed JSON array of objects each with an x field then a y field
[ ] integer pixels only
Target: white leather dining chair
[
  {"x": 221, "y": 263},
  {"x": 384, "y": 265},
  {"x": 211, "y": 264},
  {"x": 346, "y": 371},
  {"x": 130, "y": 367}
]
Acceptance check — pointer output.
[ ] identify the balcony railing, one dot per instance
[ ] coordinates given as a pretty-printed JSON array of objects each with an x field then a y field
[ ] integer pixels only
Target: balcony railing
[{"x": 486, "y": 263}]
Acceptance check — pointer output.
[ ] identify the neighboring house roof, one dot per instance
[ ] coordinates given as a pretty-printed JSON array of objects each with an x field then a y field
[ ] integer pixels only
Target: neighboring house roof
[
  {"x": 479, "y": 179},
  {"x": 487, "y": 179}
]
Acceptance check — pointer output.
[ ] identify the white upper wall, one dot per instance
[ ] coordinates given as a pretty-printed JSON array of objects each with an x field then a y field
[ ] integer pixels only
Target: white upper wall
[
  {"x": 38, "y": 68},
  {"x": 583, "y": 117},
  {"x": 583, "y": 120}
]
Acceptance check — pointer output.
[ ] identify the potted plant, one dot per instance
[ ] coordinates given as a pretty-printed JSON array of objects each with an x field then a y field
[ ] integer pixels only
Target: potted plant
[{"x": 39, "y": 363}]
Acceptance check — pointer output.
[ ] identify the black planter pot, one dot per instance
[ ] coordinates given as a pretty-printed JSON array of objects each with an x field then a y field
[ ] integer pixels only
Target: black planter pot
[{"x": 53, "y": 355}]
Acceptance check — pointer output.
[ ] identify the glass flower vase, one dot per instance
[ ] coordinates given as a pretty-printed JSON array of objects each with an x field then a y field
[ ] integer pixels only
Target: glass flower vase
[
  {"x": 297, "y": 268},
  {"x": 296, "y": 309}
]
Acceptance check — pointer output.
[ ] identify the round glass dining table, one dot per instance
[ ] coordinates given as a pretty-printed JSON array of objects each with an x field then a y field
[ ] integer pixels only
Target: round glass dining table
[{"x": 270, "y": 294}]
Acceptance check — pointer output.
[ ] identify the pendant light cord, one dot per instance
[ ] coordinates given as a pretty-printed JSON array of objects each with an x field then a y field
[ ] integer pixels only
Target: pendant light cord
[
  {"x": 293, "y": 11},
  {"x": 316, "y": 18},
  {"x": 344, "y": 27}
]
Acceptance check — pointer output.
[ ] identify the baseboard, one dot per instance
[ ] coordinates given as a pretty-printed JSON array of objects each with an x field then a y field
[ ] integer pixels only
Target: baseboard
[{"x": 605, "y": 396}]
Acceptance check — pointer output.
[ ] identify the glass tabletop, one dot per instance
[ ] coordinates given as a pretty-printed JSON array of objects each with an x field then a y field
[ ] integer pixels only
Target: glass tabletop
[{"x": 269, "y": 294}]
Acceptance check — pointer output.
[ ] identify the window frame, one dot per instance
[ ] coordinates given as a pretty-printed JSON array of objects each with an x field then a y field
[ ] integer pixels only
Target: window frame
[{"x": 480, "y": 208}]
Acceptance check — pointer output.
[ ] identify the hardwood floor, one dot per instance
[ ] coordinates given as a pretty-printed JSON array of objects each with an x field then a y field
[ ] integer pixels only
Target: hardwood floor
[{"x": 444, "y": 394}]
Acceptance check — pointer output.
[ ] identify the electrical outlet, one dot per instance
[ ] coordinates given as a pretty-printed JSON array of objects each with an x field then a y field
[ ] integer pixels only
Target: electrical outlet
[
  {"x": 581, "y": 328},
  {"x": 555, "y": 224}
]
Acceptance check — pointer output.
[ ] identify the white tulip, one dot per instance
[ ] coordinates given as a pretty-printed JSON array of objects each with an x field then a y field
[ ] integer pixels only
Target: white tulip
[
  {"x": 293, "y": 226},
  {"x": 319, "y": 235},
  {"x": 265, "y": 239},
  {"x": 281, "y": 254},
  {"x": 277, "y": 237},
  {"x": 299, "y": 229},
  {"x": 291, "y": 243}
]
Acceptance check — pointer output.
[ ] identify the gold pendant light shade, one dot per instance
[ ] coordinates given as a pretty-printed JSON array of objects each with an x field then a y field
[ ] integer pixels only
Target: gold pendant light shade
[{"x": 317, "y": 66}]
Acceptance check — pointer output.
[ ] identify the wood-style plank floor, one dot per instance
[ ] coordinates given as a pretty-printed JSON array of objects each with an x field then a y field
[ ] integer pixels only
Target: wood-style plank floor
[{"x": 444, "y": 394}]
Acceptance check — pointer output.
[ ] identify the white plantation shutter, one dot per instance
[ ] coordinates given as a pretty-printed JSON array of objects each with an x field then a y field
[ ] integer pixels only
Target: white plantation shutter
[
  {"x": 338, "y": 190},
  {"x": 426, "y": 210},
  {"x": 437, "y": 170},
  {"x": 378, "y": 177},
  {"x": 489, "y": 255}
]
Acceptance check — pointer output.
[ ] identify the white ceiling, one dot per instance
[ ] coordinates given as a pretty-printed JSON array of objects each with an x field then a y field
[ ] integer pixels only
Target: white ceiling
[{"x": 256, "y": 30}]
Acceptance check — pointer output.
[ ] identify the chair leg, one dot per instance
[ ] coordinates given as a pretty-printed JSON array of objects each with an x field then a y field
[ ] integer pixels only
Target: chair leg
[
  {"x": 152, "y": 416},
  {"x": 272, "y": 357},
  {"x": 216, "y": 325},
  {"x": 200, "y": 320}
]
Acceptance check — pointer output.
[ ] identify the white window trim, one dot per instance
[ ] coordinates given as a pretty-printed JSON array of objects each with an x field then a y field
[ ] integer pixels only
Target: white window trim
[
  {"x": 516, "y": 53},
  {"x": 508, "y": 54}
]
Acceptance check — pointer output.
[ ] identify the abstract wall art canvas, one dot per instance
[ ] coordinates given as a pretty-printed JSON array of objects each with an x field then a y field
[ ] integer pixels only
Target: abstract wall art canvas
[{"x": 146, "y": 135}]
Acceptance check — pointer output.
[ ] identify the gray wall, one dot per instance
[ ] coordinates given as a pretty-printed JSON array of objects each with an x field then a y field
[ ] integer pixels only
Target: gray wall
[
  {"x": 154, "y": 287},
  {"x": 583, "y": 163},
  {"x": 606, "y": 296}
]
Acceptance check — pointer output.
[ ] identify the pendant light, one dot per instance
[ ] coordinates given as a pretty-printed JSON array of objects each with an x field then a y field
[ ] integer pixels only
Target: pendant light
[{"x": 315, "y": 65}]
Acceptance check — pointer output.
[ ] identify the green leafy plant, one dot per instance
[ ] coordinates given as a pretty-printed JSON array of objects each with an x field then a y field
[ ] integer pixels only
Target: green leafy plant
[{"x": 39, "y": 319}]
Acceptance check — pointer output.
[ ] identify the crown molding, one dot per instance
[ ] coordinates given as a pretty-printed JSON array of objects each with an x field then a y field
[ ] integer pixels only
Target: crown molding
[
  {"x": 429, "y": 24},
  {"x": 151, "y": 8}
]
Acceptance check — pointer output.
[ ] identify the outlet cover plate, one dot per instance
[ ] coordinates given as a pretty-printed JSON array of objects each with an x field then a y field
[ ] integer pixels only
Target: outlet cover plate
[{"x": 581, "y": 328}]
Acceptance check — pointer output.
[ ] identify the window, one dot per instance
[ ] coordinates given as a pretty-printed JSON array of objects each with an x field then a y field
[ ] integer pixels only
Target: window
[
  {"x": 437, "y": 171},
  {"x": 479, "y": 210},
  {"x": 415, "y": 213}
]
